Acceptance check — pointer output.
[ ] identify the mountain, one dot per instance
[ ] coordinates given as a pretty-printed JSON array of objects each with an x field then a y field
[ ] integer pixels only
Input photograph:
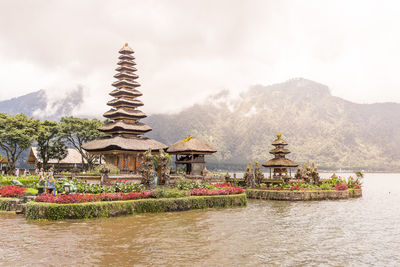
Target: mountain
[
  {"x": 26, "y": 104},
  {"x": 39, "y": 105},
  {"x": 321, "y": 128}
]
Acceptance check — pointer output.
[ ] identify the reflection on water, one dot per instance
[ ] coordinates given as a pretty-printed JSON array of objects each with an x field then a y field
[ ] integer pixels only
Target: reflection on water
[{"x": 352, "y": 232}]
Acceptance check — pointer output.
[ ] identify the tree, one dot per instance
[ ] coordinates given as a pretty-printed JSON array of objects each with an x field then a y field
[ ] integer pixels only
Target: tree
[
  {"x": 50, "y": 145},
  {"x": 77, "y": 131},
  {"x": 16, "y": 135}
]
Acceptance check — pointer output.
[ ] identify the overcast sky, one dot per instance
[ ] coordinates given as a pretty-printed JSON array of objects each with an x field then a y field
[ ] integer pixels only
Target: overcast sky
[{"x": 186, "y": 50}]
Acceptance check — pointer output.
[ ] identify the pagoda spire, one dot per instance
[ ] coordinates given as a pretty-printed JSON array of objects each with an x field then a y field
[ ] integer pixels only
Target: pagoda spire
[
  {"x": 124, "y": 114},
  {"x": 124, "y": 143},
  {"x": 279, "y": 163}
]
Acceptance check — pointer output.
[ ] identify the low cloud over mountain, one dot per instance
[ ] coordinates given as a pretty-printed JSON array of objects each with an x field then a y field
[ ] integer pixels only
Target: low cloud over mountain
[{"x": 319, "y": 127}]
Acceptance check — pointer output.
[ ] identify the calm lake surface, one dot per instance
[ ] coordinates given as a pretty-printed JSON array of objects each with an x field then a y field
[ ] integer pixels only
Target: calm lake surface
[{"x": 355, "y": 232}]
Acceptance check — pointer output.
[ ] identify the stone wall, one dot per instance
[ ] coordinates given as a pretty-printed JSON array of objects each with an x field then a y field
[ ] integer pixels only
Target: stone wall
[{"x": 302, "y": 195}]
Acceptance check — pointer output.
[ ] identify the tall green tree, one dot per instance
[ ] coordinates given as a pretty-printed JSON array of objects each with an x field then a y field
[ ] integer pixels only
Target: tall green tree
[
  {"x": 78, "y": 131},
  {"x": 16, "y": 135},
  {"x": 50, "y": 146}
]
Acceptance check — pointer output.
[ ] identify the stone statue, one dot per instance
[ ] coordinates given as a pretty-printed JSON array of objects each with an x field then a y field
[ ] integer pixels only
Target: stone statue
[
  {"x": 286, "y": 177},
  {"x": 148, "y": 174},
  {"x": 163, "y": 162},
  {"x": 249, "y": 176},
  {"x": 315, "y": 174},
  {"x": 307, "y": 173},
  {"x": 299, "y": 173},
  {"x": 258, "y": 175},
  {"x": 104, "y": 171}
]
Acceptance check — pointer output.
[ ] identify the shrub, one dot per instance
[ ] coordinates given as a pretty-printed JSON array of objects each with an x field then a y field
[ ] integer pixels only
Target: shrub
[
  {"x": 30, "y": 192},
  {"x": 27, "y": 181},
  {"x": 325, "y": 186},
  {"x": 170, "y": 193},
  {"x": 208, "y": 192},
  {"x": 82, "y": 198},
  {"x": 184, "y": 184},
  {"x": 296, "y": 187},
  {"x": 12, "y": 191},
  {"x": 118, "y": 186},
  {"x": 224, "y": 185},
  {"x": 340, "y": 187},
  {"x": 356, "y": 186}
]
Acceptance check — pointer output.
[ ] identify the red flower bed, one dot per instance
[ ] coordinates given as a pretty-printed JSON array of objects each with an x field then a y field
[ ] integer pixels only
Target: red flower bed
[
  {"x": 80, "y": 198},
  {"x": 296, "y": 187},
  {"x": 12, "y": 191},
  {"x": 208, "y": 192},
  {"x": 340, "y": 187},
  {"x": 223, "y": 185},
  {"x": 356, "y": 186}
]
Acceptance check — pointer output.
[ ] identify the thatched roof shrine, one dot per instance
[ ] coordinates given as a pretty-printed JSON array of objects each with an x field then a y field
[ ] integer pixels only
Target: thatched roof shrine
[{"x": 190, "y": 154}]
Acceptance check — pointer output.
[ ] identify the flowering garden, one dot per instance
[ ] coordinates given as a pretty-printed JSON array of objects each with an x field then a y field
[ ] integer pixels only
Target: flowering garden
[
  {"x": 211, "y": 190},
  {"x": 333, "y": 183},
  {"x": 85, "y": 200}
]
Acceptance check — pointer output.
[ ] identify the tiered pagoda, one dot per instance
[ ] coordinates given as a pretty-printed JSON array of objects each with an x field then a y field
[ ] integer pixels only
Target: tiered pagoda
[
  {"x": 279, "y": 163},
  {"x": 124, "y": 141}
]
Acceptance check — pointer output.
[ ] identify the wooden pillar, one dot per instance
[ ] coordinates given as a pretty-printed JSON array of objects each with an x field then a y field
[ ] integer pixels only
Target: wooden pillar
[
  {"x": 137, "y": 163},
  {"x": 134, "y": 160},
  {"x": 122, "y": 161}
]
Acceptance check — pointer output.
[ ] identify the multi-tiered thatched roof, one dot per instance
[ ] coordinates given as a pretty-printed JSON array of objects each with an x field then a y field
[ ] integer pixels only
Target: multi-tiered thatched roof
[
  {"x": 124, "y": 129},
  {"x": 279, "y": 161}
]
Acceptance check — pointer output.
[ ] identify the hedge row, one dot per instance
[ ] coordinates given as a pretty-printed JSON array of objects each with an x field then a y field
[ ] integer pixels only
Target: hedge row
[
  {"x": 5, "y": 203},
  {"x": 302, "y": 195},
  {"x": 26, "y": 182},
  {"x": 52, "y": 211}
]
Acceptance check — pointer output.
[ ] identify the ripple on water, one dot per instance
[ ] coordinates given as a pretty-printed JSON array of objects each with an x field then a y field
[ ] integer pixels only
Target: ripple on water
[{"x": 353, "y": 232}]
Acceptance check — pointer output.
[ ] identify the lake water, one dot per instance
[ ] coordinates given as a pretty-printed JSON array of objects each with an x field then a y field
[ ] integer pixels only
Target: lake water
[{"x": 354, "y": 232}]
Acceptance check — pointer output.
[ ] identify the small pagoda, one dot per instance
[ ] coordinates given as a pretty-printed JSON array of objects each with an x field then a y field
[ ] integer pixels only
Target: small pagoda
[
  {"x": 190, "y": 153},
  {"x": 124, "y": 142},
  {"x": 280, "y": 164}
]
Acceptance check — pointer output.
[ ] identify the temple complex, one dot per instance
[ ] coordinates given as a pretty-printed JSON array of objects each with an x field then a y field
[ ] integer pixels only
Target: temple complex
[
  {"x": 279, "y": 163},
  {"x": 124, "y": 142},
  {"x": 190, "y": 154}
]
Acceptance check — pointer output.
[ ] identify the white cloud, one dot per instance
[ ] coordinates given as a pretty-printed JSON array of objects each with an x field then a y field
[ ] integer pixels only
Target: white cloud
[{"x": 186, "y": 50}]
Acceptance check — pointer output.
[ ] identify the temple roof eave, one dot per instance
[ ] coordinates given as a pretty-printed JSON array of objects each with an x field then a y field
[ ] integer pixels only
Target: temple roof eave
[
  {"x": 121, "y": 83},
  {"x": 122, "y": 101},
  {"x": 280, "y": 163},
  {"x": 125, "y": 92},
  {"x": 137, "y": 144},
  {"x": 120, "y": 125}
]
